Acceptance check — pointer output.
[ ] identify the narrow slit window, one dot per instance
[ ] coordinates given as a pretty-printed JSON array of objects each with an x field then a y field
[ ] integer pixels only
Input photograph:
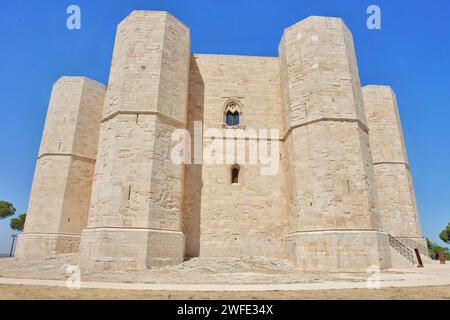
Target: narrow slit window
[{"x": 235, "y": 175}]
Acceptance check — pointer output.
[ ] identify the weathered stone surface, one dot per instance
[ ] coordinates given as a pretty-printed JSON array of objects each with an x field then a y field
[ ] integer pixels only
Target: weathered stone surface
[
  {"x": 61, "y": 192},
  {"x": 137, "y": 194},
  {"x": 332, "y": 250},
  {"x": 330, "y": 173},
  {"x": 328, "y": 206},
  {"x": 397, "y": 201},
  {"x": 222, "y": 219}
]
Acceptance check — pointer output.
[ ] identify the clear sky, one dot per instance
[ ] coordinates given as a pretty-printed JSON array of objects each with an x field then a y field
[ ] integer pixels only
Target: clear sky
[{"x": 411, "y": 53}]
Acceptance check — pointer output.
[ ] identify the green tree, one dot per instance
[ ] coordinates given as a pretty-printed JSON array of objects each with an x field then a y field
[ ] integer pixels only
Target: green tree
[
  {"x": 6, "y": 210},
  {"x": 18, "y": 223},
  {"x": 445, "y": 234},
  {"x": 435, "y": 248}
]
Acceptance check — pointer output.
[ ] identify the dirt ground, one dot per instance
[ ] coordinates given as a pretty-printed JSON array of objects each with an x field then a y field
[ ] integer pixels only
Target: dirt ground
[
  {"x": 20, "y": 292},
  {"x": 431, "y": 282}
]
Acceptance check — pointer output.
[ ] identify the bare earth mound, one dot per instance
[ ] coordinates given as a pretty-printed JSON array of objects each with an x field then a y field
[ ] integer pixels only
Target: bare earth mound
[{"x": 251, "y": 270}]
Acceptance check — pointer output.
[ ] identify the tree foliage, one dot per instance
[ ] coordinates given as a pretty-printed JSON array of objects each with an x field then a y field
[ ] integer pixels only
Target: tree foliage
[
  {"x": 445, "y": 234},
  {"x": 18, "y": 223},
  {"x": 435, "y": 248},
  {"x": 6, "y": 209}
]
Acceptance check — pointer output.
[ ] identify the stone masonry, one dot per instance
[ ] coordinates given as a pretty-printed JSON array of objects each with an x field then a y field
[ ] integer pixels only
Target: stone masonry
[
  {"x": 136, "y": 207},
  {"x": 343, "y": 190},
  {"x": 61, "y": 192}
]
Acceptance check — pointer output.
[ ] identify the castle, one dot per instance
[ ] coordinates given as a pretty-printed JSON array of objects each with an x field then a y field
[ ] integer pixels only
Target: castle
[{"x": 107, "y": 187}]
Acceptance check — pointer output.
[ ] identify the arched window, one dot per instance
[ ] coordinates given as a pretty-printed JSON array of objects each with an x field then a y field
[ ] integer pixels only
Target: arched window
[
  {"x": 232, "y": 114},
  {"x": 235, "y": 174}
]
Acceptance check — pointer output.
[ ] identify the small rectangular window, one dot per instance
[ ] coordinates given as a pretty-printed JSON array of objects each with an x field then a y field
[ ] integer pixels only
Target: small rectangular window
[{"x": 235, "y": 175}]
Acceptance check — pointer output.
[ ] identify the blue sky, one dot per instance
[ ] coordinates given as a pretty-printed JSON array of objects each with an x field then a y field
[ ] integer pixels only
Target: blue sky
[{"x": 411, "y": 53}]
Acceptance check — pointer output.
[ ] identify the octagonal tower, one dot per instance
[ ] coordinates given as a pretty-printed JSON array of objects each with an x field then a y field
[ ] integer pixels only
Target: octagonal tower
[
  {"x": 135, "y": 215},
  {"x": 333, "y": 199}
]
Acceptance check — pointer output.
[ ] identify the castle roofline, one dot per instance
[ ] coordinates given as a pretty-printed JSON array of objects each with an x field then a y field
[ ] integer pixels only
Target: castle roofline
[
  {"x": 304, "y": 21},
  {"x": 378, "y": 87},
  {"x": 368, "y": 86},
  {"x": 78, "y": 78},
  {"x": 234, "y": 55},
  {"x": 167, "y": 13},
  {"x": 312, "y": 18}
]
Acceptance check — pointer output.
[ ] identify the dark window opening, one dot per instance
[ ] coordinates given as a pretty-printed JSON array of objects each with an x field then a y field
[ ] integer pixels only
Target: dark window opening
[
  {"x": 236, "y": 119},
  {"x": 235, "y": 175},
  {"x": 232, "y": 119}
]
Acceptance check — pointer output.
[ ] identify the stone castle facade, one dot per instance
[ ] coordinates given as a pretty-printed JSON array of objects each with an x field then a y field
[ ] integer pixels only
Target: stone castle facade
[{"x": 105, "y": 185}]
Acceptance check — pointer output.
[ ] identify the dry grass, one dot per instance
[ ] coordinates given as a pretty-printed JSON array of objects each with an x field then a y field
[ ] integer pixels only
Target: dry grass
[{"x": 19, "y": 292}]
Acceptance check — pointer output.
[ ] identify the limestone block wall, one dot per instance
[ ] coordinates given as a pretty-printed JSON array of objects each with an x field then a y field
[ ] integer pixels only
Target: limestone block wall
[
  {"x": 221, "y": 219},
  {"x": 135, "y": 215},
  {"x": 333, "y": 200},
  {"x": 341, "y": 183},
  {"x": 61, "y": 191},
  {"x": 397, "y": 201}
]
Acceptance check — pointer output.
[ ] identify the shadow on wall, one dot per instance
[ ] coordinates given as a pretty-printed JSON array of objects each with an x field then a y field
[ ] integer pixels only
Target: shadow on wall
[{"x": 193, "y": 176}]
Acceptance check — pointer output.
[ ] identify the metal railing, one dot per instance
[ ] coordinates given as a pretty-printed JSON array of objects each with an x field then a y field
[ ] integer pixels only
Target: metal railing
[
  {"x": 401, "y": 248},
  {"x": 412, "y": 244}
]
